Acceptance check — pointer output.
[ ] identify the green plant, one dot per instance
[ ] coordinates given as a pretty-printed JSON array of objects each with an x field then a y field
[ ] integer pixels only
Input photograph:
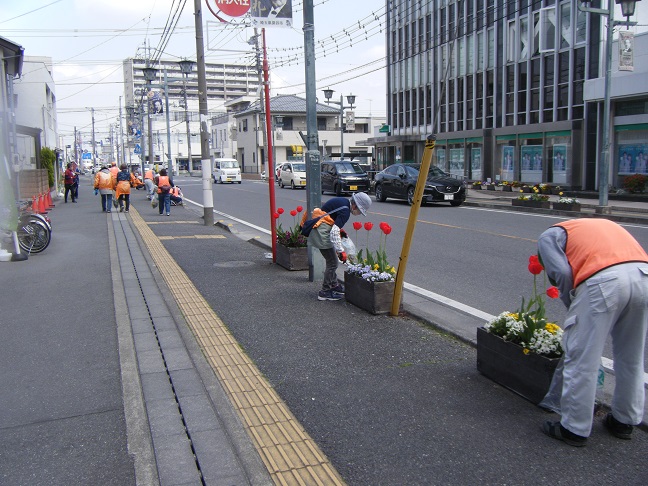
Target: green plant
[
  {"x": 291, "y": 237},
  {"x": 568, "y": 200},
  {"x": 528, "y": 327},
  {"x": 635, "y": 183},
  {"x": 48, "y": 159}
]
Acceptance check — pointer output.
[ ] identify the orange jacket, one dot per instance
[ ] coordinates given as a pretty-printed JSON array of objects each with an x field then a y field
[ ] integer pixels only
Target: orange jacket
[
  {"x": 149, "y": 174},
  {"x": 163, "y": 181},
  {"x": 596, "y": 244},
  {"x": 103, "y": 180},
  {"x": 317, "y": 212}
]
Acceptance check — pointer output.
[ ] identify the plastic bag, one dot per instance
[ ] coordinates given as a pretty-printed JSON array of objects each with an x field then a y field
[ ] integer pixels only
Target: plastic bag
[
  {"x": 154, "y": 203},
  {"x": 349, "y": 249}
]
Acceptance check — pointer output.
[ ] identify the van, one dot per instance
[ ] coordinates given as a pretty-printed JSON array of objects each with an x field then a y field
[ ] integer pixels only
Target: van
[{"x": 226, "y": 170}]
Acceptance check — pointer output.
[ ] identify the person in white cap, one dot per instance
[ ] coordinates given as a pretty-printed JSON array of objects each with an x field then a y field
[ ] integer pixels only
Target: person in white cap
[{"x": 325, "y": 236}]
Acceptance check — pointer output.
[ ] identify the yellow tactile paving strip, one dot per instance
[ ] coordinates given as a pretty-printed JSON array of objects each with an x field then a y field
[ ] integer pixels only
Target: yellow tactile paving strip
[{"x": 291, "y": 456}]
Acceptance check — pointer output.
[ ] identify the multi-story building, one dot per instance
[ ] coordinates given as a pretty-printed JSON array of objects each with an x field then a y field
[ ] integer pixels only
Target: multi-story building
[
  {"x": 225, "y": 82},
  {"x": 501, "y": 84}
]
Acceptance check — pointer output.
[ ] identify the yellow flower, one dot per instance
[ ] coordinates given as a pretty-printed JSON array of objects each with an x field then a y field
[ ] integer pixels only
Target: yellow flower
[
  {"x": 376, "y": 266},
  {"x": 552, "y": 328},
  {"x": 560, "y": 193},
  {"x": 526, "y": 351}
]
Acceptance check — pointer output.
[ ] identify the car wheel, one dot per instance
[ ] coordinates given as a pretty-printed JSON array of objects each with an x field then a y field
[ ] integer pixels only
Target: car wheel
[
  {"x": 456, "y": 203},
  {"x": 410, "y": 195},
  {"x": 240, "y": 182},
  {"x": 380, "y": 197},
  {"x": 338, "y": 190},
  {"x": 292, "y": 185},
  {"x": 281, "y": 184}
]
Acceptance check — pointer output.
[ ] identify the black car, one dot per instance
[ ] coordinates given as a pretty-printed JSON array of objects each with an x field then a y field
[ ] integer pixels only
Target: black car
[
  {"x": 343, "y": 176},
  {"x": 398, "y": 181}
]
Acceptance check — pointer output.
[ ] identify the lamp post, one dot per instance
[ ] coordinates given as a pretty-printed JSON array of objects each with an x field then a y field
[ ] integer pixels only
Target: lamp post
[
  {"x": 628, "y": 8},
  {"x": 328, "y": 94},
  {"x": 186, "y": 66},
  {"x": 149, "y": 76}
]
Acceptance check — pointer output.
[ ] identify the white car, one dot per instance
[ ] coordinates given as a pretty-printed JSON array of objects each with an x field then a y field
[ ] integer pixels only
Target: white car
[{"x": 293, "y": 174}]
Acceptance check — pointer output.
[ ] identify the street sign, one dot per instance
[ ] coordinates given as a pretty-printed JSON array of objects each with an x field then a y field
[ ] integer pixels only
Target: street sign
[
  {"x": 385, "y": 129},
  {"x": 138, "y": 149},
  {"x": 86, "y": 156}
]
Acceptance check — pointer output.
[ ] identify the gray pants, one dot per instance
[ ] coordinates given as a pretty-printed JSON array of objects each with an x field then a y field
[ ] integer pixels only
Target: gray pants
[
  {"x": 330, "y": 272},
  {"x": 150, "y": 187},
  {"x": 612, "y": 302}
]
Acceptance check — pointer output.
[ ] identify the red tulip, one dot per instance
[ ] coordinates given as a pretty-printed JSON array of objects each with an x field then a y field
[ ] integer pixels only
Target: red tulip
[
  {"x": 386, "y": 229},
  {"x": 300, "y": 209},
  {"x": 368, "y": 225},
  {"x": 534, "y": 259},
  {"x": 280, "y": 210},
  {"x": 535, "y": 268},
  {"x": 553, "y": 292},
  {"x": 293, "y": 212},
  {"x": 276, "y": 215},
  {"x": 357, "y": 225}
]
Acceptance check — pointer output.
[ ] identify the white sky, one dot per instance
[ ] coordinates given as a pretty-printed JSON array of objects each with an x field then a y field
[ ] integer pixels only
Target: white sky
[{"x": 88, "y": 40}]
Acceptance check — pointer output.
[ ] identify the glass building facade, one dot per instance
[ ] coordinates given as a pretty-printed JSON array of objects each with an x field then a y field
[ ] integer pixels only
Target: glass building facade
[{"x": 501, "y": 83}]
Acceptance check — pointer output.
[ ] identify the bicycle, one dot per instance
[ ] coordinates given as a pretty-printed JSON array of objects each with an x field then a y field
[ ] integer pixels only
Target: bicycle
[{"x": 34, "y": 230}]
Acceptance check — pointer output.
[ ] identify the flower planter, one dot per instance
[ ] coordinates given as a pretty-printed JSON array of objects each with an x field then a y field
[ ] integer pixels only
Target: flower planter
[
  {"x": 292, "y": 258},
  {"x": 567, "y": 206},
  {"x": 531, "y": 204},
  {"x": 490, "y": 187},
  {"x": 527, "y": 190},
  {"x": 507, "y": 189},
  {"x": 374, "y": 297},
  {"x": 556, "y": 191},
  {"x": 477, "y": 187},
  {"x": 528, "y": 375}
]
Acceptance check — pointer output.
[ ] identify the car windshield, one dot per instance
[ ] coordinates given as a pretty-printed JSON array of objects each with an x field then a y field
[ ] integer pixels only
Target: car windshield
[
  {"x": 349, "y": 168},
  {"x": 433, "y": 172},
  {"x": 229, "y": 164},
  {"x": 299, "y": 167}
]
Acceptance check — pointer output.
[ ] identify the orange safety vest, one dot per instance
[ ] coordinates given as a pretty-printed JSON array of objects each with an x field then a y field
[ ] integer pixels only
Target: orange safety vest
[
  {"x": 163, "y": 181},
  {"x": 149, "y": 175},
  {"x": 596, "y": 244}
]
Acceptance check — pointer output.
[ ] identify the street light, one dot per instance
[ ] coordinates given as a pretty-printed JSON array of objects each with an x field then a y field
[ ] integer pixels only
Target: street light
[
  {"x": 149, "y": 76},
  {"x": 328, "y": 94},
  {"x": 628, "y": 8},
  {"x": 186, "y": 66}
]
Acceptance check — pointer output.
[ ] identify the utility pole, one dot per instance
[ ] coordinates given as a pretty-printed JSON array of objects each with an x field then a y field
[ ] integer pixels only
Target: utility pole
[
  {"x": 313, "y": 171},
  {"x": 208, "y": 198},
  {"x": 94, "y": 152},
  {"x": 120, "y": 138},
  {"x": 261, "y": 118}
]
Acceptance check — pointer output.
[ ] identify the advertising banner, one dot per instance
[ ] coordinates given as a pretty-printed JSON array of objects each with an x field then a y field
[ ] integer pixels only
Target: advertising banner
[
  {"x": 271, "y": 13},
  {"x": 626, "y": 50}
]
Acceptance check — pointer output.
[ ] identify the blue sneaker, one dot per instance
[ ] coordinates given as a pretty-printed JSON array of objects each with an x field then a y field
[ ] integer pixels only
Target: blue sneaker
[
  {"x": 329, "y": 295},
  {"x": 339, "y": 289}
]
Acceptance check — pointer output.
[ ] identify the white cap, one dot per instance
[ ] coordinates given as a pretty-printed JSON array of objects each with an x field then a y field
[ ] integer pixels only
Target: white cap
[{"x": 362, "y": 202}]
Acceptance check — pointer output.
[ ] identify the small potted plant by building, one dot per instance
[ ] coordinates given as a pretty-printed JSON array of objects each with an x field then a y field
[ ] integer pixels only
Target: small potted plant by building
[
  {"x": 567, "y": 204},
  {"x": 292, "y": 251}
]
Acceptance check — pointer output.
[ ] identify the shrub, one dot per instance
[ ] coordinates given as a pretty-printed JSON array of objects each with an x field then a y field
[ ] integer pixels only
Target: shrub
[
  {"x": 48, "y": 159},
  {"x": 635, "y": 183}
]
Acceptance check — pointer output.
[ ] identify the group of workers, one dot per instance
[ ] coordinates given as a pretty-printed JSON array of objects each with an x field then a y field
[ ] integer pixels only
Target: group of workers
[{"x": 114, "y": 184}]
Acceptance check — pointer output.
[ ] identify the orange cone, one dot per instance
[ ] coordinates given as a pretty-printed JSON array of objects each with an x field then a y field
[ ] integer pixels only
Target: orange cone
[
  {"x": 49, "y": 201},
  {"x": 41, "y": 204},
  {"x": 34, "y": 205}
]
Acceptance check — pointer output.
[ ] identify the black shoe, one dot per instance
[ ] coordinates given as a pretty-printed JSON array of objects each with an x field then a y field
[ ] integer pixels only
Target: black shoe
[
  {"x": 339, "y": 289},
  {"x": 557, "y": 431},
  {"x": 616, "y": 428}
]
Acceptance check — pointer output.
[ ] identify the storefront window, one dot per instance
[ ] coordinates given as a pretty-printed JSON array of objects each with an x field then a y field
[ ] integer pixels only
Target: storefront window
[
  {"x": 531, "y": 161},
  {"x": 456, "y": 161},
  {"x": 559, "y": 159},
  {"x": 631, "y": 154},
  {"x": 474, "y": 151},
  {"x": 505, "y": 160}
]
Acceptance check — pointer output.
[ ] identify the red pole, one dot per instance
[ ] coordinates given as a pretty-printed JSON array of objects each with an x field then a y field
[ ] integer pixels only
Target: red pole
[{"x": 270, "y": 169}]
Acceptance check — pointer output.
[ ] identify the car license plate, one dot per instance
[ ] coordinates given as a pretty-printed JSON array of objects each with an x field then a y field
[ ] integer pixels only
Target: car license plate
[
  {"x": 228, "y": 179},
  {"x": 302, "y": 183},
  {"x": 353, "y": 188},
  {"x": 448, "y": 197}
]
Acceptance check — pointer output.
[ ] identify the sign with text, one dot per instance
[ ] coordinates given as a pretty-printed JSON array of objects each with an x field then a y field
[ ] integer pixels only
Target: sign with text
[{"x": 271, "y": 13}]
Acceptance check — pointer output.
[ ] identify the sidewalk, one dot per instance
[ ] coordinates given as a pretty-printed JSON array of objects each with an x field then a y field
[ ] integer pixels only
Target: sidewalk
[{"x": 211, "y": 363}]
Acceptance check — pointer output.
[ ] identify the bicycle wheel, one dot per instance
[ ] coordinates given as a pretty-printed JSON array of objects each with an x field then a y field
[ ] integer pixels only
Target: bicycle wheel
[{"x": 33, "y": 236}]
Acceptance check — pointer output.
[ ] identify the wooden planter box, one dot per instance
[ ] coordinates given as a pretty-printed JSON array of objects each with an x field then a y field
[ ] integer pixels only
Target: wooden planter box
[
  {"x": 507, "y": 188},
  {"x": 527, "y": 190},
  {"x": 528, "y": 375},
  {"x": 374, "y": 297},
  {"x": 567, "y": 207},
  {"x": 292, "y": 258},
  {"x": 531, "y": 204},
  {"x": 477, "y": 187},
  {"x": 490, "y": 187}
]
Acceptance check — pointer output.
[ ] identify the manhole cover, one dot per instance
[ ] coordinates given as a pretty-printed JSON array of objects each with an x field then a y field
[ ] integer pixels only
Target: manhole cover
[{"x": 233, "y": 264}]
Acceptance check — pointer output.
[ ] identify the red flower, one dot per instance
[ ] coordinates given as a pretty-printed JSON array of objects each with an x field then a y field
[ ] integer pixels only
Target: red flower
[
  {"x": 535, "y": 268},
  {"x": 300, "y": 209},
  {"x": 276, "y": 215},
  {"x": 552, "y": 292},
  {"x": 293, "y": 212},
  {"x": 280, "y": 210},
  {"x": 357, "y": 225},
  {"x": 385, "y": 228},
  {"x": 368, "y": 225}
]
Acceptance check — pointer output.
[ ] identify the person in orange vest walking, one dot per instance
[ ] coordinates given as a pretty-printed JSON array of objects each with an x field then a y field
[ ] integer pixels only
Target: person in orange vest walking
[
  {"x": 149, "y": 183},
  {"x": 164, "y": 184},
  {"x": 601, "y": 272},
  {"x": 103, "y": 183},
  {"x": 114, "y": 170},
  {"x": 125, "y": 180}
]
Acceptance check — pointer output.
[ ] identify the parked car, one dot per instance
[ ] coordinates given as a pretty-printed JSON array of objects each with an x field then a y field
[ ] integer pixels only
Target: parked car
[
  {"x": 343, "y": 176},
  {"x": 292, "y": 174},
  {"x": 398, "y": 181}
]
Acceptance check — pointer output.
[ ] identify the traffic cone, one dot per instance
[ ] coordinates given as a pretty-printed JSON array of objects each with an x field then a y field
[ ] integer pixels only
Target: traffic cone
[
  {"x": 41, "y": 204},
  {"x": 50, "y": 203},
  {"x": 34, "y": 205}
]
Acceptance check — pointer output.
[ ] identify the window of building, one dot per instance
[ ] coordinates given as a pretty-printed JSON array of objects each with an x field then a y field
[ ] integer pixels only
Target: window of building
[
  {"x": 491, "y": 48},
  {"x": 565, "y": 26},
  {"x": 321, "y": 123},
  {"x": 407, "y": 40},
  {"x": 460, "y": 104},
  {"x": 421, "y": 106},
  {"x": 480, "y": 51},
  {"x": 524, "y": 38},
  {"x": 547, "y": 29},
  {"x": 462, "y": 56},
  {"x": 428, "y": 32},
  {"x": 581, "y": 27},
  {"x": 421, "y": 35},
  {"x": 442, "y": 26},
  {"x": 512, "y": 41},
  {"x": 634, "y": 107},
  {"x": 288, "y": 123}
]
